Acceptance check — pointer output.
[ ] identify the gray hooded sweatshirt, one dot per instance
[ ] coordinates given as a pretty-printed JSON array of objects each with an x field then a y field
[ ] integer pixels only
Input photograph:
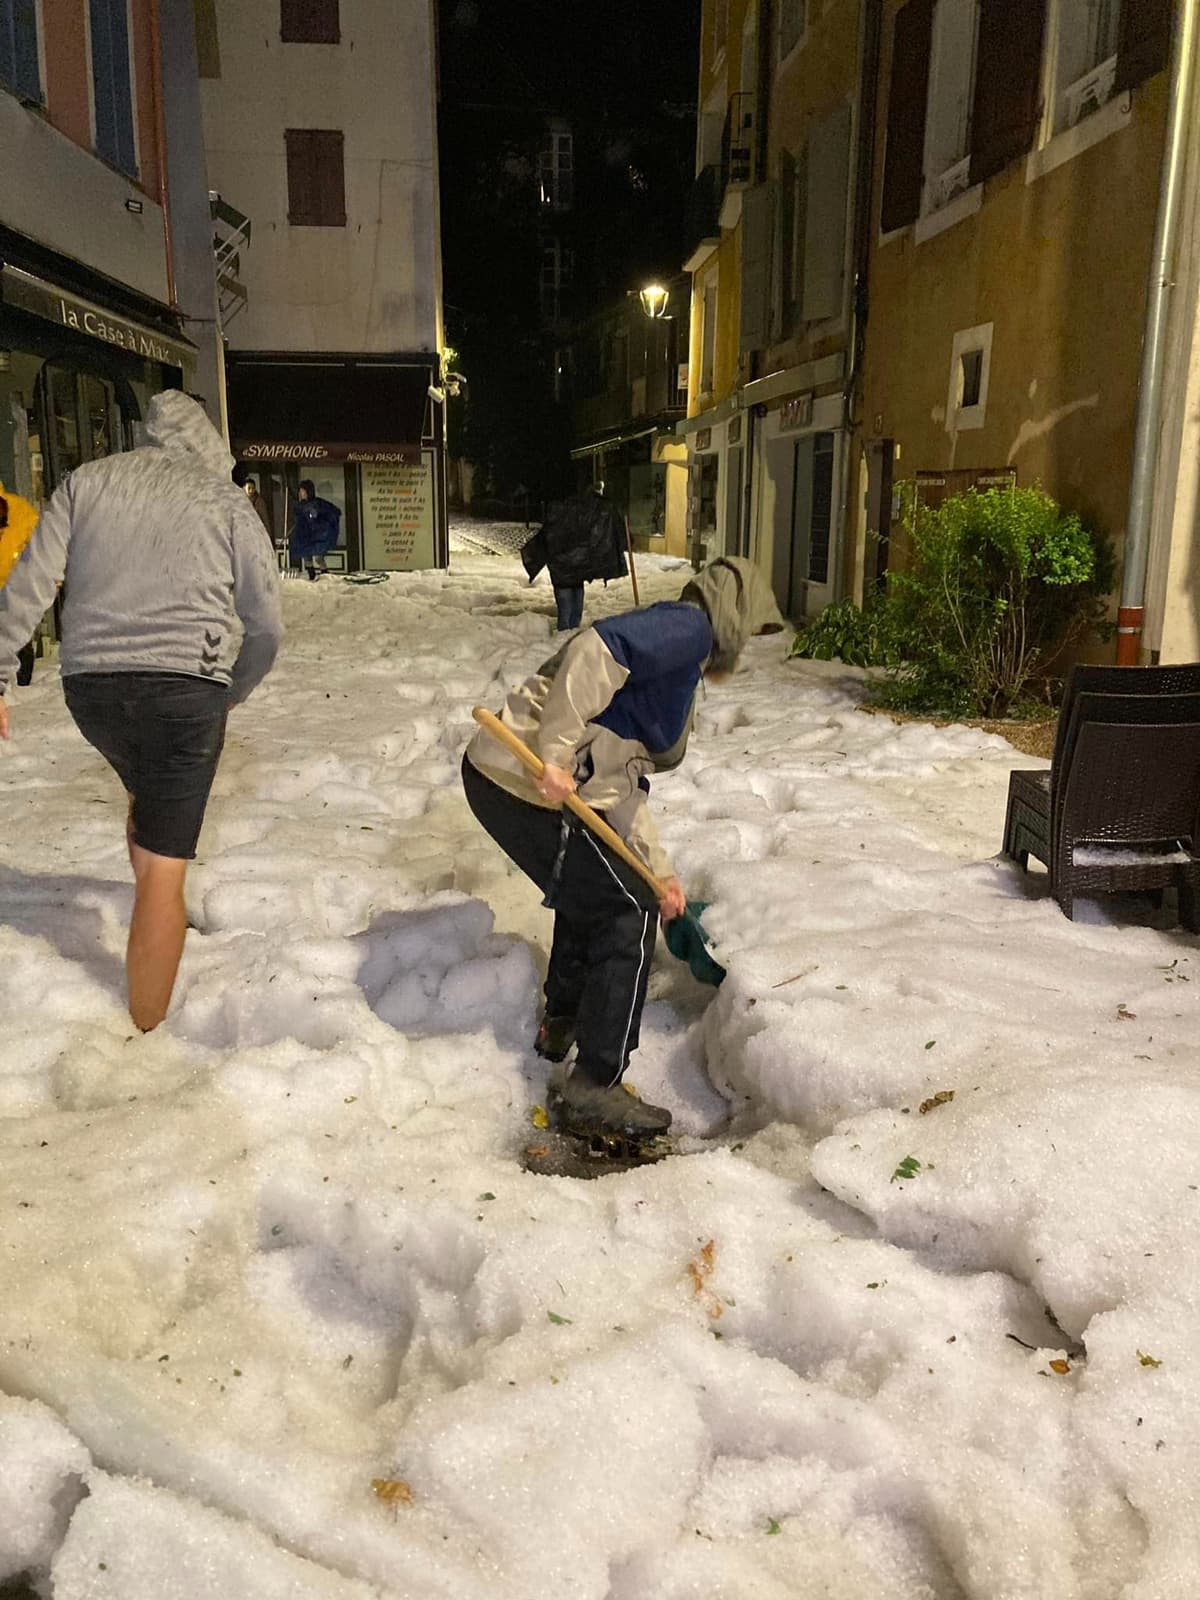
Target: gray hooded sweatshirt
[{"x": 165, "y": 564}]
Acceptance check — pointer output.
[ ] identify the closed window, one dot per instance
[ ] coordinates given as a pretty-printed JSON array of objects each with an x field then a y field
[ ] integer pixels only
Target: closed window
[
  {"x": 827, "y": 185},
  {"x": 708, "y": 337},
  {"x": 556, "y": 169},
  {"x": 309, "y": 22},
  {"x": 316, "y": 176},
  {"x": 112, "y": 84},
  {"x": 19, "y": 48}
]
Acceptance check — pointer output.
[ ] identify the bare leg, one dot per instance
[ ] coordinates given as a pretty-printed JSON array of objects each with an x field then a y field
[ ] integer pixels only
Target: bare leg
[{"x": 156, "y": 934}]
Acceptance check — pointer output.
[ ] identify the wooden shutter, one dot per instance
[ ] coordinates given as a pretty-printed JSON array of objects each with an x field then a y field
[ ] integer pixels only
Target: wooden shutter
[
  {"x": 1008, "y": 82},
  {"x": 316, "y": 178},
  {"x": 758, "y": 205},
  {"x": 825, "y": 217},
  {"x": 1145, "y": 41},
  {"x": 783, "y": 266},
  {"x": 309, "y": 22},
  {"x": 908, "y": 92}
]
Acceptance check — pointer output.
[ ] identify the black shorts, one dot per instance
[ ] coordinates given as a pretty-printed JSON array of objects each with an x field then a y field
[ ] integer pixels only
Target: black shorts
[{"x": 162, "y": 734}]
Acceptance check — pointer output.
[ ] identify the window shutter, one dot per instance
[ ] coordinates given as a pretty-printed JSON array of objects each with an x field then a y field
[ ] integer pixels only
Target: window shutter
[
  {"x": 1145, "y": 41},
  {"x": 309, "y": 22},
  {"x": 908, "y": 92},
  {"x": 783, "y": 266},
  {"x": 1008, "y": 81},
  {"x": 758, "y": 204},
  {"x": 825, "y": 217},
  {"x": 316, "y": 178}
]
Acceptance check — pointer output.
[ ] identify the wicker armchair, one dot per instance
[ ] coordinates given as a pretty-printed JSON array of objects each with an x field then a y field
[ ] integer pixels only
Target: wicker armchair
[{"x": 1118, "y": 810}]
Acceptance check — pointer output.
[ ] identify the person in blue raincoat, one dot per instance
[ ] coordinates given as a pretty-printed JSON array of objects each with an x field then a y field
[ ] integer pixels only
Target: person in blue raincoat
[{"x": 314, "y": 529}]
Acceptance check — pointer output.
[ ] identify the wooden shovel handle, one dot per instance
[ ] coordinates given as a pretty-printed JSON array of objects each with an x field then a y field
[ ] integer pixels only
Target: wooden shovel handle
[{"x": 573, "y": 803}]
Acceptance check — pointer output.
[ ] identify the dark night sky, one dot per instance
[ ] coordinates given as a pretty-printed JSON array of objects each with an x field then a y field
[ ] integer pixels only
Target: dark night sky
[{"x": 614, "y": 59}]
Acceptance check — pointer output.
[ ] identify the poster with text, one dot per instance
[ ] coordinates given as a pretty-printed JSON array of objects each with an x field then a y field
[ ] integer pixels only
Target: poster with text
[{"x": 398, "y": 516}]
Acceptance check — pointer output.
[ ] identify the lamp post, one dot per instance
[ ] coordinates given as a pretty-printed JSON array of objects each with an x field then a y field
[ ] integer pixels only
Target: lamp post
[{"x": 654, "y": 300}]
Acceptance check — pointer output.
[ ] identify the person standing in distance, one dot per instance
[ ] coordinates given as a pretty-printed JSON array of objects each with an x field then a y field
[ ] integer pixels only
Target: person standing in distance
[
  {"x": 314, "y": 530},
  {"x": 172, "y": 615}
]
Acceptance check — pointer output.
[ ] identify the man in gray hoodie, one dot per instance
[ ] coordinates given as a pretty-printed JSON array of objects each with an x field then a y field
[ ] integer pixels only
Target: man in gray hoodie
[{"x": 172, "y": 615}]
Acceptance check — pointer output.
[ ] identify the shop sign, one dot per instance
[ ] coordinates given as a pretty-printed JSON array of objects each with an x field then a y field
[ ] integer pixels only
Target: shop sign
[
  {"x": 298, "y": 450},
  {"x": 398, "y": 516},
  {"x": 796, "y": 413},
  {"x": 27, "y": 293},
  {"x": 703, "y": 438}
]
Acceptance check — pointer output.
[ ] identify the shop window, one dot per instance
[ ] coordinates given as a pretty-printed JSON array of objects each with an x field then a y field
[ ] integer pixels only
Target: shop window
[
  {"x": 62, "y": 418},
  {"x": 112, "y": 84},
  {"x": 19, "y": 69},
  {"x": 310, "y": 22},
  {"x": 820, "y": 532},
  {"x": 316, "y": 177},
  {"x": 101, "y": 418}
]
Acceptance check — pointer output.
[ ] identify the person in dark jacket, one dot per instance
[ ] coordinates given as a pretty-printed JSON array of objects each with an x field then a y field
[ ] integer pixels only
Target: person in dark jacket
[
  {"x": 582, "y": 539},
  {"x": 261, "y": 507},
  {"x": 612, "y": 707},
  {"x": 314, "y": 530}
]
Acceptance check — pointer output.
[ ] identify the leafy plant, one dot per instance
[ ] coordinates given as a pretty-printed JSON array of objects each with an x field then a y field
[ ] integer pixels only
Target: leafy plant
[
  {"x": 846, "y": 632},
  {"x": 999, "y": 582}
]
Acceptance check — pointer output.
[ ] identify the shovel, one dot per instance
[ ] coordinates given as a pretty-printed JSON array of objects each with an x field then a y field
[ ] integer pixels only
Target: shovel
[{"x": 685, "y": 937}]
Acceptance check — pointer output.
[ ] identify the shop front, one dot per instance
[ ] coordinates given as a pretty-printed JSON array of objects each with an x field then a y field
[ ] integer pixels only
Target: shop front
[
  {"x": 79, "y": 363},
  {"x": 368, "y": 433}
]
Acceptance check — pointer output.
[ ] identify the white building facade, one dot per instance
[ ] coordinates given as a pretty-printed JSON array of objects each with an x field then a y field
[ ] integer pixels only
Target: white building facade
[{"x": 321, "y": 139}]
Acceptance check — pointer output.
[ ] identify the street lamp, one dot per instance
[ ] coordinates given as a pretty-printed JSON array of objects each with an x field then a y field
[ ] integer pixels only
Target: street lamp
[{"x": 654, "y": 300}]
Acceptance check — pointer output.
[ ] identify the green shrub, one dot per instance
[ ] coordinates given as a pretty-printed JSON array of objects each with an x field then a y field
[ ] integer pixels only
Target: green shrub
[
  {"x": 998, "y": 583},
  {"x": 844, "y": 632}
]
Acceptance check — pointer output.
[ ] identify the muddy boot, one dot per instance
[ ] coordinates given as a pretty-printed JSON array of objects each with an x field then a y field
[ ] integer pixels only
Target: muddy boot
[
  {"x": 586, "y": 1108},
  {"x": 555, "y": 1036}
]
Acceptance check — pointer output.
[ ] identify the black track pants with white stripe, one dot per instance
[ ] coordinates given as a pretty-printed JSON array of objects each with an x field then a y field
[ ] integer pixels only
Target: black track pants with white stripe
[{"x": 605, "y": 923}]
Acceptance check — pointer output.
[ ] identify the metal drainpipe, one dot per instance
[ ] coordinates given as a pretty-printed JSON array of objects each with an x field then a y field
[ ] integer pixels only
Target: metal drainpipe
[
  {"x": 160, "y": 141},
  {"x": 1131, "y": 615}
]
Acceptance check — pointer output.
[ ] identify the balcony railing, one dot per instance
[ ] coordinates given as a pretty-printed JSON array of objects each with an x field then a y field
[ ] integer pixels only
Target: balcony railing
[
  {"x": 1089, "y": 93},
  {"x": 231, "y": 235},
  {"x": 955, "y": 180}
]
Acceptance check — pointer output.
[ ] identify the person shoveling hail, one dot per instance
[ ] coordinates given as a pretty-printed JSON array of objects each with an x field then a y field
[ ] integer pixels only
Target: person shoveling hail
[{"x": 613, "y": 706}]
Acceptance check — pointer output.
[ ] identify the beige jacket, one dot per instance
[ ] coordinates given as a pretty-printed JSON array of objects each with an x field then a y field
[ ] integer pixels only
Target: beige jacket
[
  {"x": 552, "y": 713},
  {"x": 666, "y": 648}
]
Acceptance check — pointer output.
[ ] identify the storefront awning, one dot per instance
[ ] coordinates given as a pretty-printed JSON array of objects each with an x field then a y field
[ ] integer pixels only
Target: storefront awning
[
  {"x": 612, "y": 442},
  {"x": 328, "y": 410},
  {"x": 41, "y": 298}
]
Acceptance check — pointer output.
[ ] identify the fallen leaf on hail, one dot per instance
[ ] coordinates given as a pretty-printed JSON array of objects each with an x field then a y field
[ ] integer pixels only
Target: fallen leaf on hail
[
  {"x": 1060, "y": 1366},
  {"x": 908, "y": 1168},
  {"x": 537, "y": 1151},
  {"x": 394, "y": 1490},
  {"x": 942, "y": 1098},
  {"x": 699, "y": 1271},
  {"x": 1125, "y": 1015},
  {"x": 539, "y": 1117},
  {"x": 1148, "y": 1361}
]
